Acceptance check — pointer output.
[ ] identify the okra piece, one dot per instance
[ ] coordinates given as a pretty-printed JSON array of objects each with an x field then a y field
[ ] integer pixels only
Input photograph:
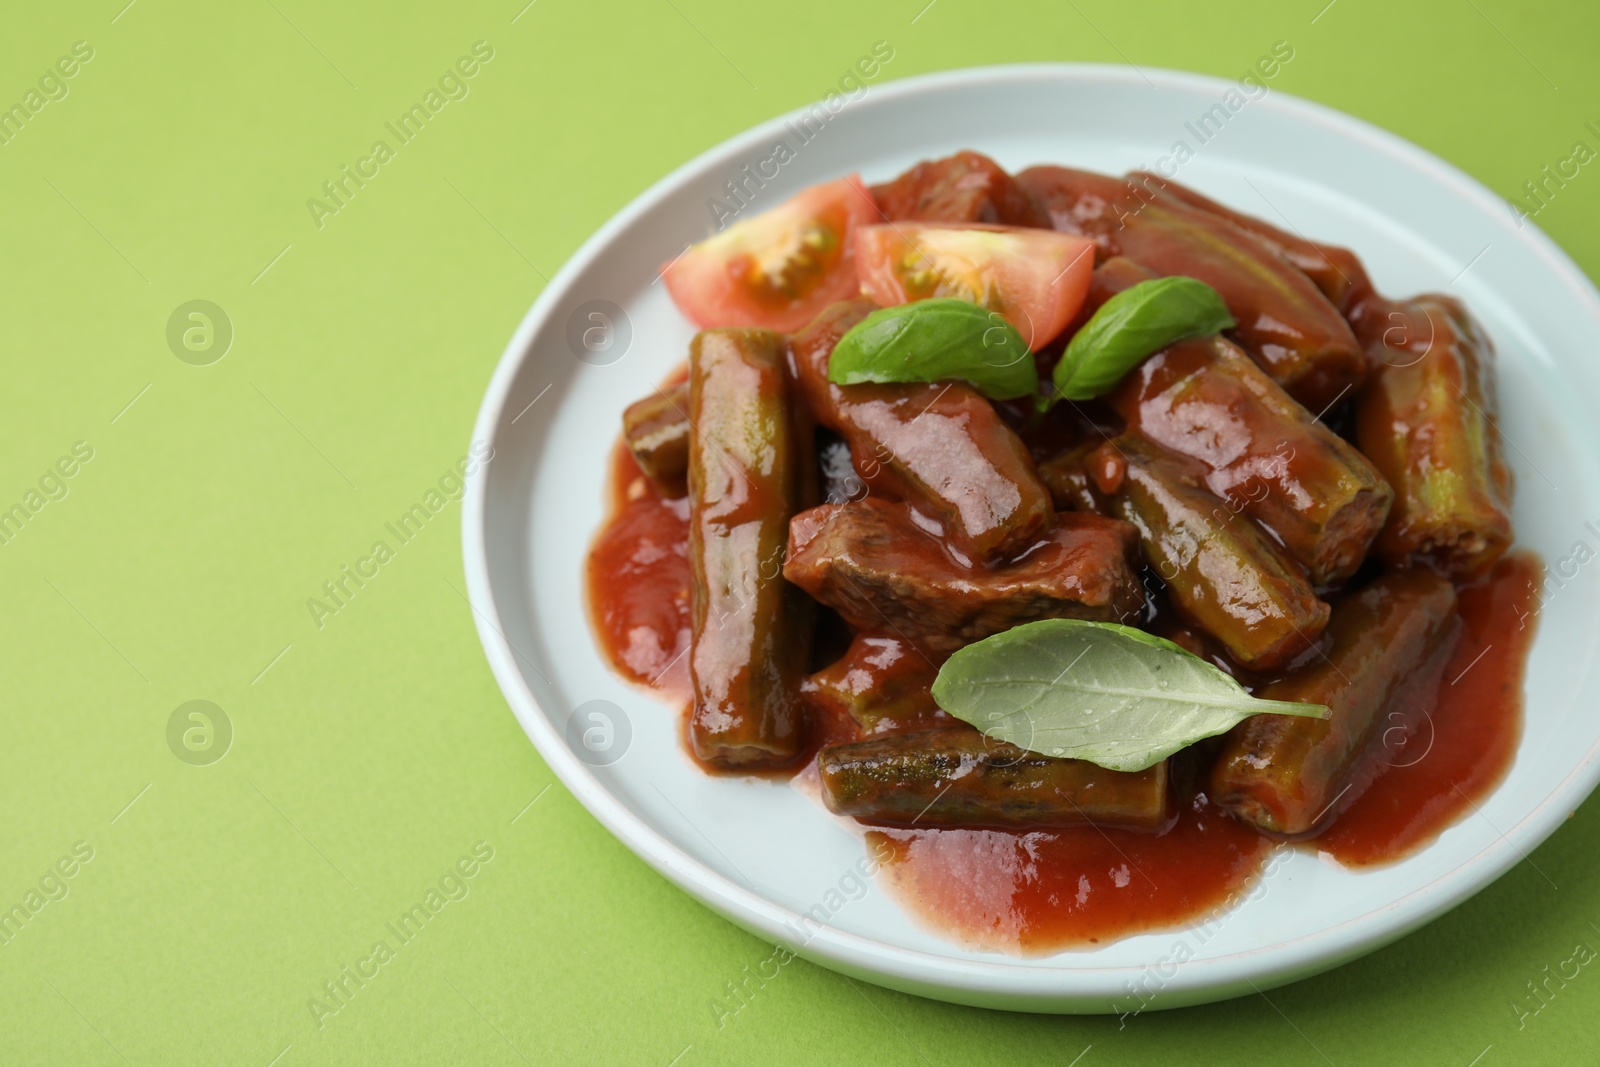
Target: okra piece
[
  {"x": 1334, "y": 270},
  {"x": 1265, "y": 455},
  {"x": 657, "y": 432},
  {"x": 1427, "y": 421},
  {"x": 959, "y": 778},
  {"x": 1285, "y": 322},
  {"x": 941, "y": 446},
  {"x": 882, "y": 682},
  {"x": 1223, "y": 574},
  {"x": 750, "y": 629},
  {"x": 1292, "y": 775}
]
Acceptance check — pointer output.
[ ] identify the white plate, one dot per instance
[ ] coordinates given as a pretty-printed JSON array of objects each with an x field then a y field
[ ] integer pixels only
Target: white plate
[{"x": 761, "y": 853}]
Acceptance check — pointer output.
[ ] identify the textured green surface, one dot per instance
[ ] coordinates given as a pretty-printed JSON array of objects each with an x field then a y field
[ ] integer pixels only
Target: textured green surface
[{"x": 376, "y": 751}]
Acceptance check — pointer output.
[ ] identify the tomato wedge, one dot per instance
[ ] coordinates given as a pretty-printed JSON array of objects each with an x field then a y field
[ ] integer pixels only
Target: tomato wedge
[
  {"x": 1037, "y": 279},
  {"x": 778, "y": 269}
]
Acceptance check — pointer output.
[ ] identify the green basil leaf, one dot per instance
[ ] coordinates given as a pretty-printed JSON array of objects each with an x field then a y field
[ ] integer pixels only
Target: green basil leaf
[
  {"x": 1096, "y": 691},
  {"x": 936, "y": 340},
  {"x": 1132, "y": 325}
]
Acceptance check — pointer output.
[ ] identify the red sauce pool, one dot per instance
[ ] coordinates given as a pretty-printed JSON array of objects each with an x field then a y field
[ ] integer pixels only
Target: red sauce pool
[
  {"x": 1032, "y": 893},
  {"x": 1463, "y": 745},
  {"x": 1044, "y": 891},
  {"x": 639, "y": 581}
]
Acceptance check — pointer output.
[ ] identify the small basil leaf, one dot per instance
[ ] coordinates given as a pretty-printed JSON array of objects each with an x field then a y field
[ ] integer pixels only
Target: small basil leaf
[
  {"x": 1095, "y": 691},
  {"x": 936, "y": 340},
  {"x": 1132, "y": 325}
]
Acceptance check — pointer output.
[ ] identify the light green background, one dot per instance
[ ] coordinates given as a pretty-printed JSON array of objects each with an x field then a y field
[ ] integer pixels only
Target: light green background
[{"x": 374, "y": 752}]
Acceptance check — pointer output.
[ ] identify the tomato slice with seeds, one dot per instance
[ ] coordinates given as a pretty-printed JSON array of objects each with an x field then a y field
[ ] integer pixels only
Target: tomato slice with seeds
[
  {"x": 778, "y": 269},
  {"x": 1037, "y": 279}
]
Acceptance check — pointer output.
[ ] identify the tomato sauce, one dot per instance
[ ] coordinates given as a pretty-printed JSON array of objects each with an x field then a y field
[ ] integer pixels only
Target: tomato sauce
[
  {"x": 1459, "y": 749},
  {"x": 1036, "y": 892},
  {"x": 639, "y": 581},
  {"x": 1041, "y": 891}
]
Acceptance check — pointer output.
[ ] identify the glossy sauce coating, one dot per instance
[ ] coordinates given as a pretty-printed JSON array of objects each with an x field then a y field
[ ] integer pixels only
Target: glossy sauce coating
[
  {"x": 1436, "y": 766},
  {"x": 1290, "y": 774},
  {"x": 1267, "y": 456},
  {"x": 965, "y": 187},
  {"x": 638, "y": 579},
  {"x": 958, "y": 777},
  {"x": 1427, "y": 422},
  {"x": 1223, "y": 573},
  {"x": 870, "y": 561},
  {"x": 1284, "y": 321},
  {"x": 1334, "y": 270},
  {"x": 940, "y": 446},
  {"x": 883, "y": 683},
  {"x": 749, "y": 468},
  {"x": 1036, "y": 892}
]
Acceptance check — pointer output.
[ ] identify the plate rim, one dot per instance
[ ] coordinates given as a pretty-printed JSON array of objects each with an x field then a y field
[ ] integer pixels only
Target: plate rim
[{"x": 975, "y": 981}]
